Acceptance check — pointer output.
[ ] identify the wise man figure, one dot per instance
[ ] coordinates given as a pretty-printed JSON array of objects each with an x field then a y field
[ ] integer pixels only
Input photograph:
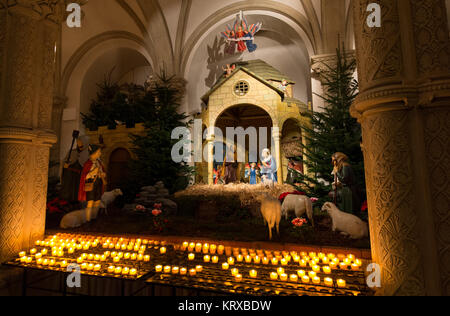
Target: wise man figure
[
  {"x": 92, "y": 182},
  {"x": 345, "y": 184},
  {"x": 269, "y": 166}
]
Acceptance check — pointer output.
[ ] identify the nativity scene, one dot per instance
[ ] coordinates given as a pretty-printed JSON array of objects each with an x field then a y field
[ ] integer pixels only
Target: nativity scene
[{"x": 210, "y": 148}]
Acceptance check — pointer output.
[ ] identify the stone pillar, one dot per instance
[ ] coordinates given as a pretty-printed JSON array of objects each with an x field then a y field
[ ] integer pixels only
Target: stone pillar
[
  {"x": 28, "y": 31},
  {"x": 277, "y": 142},
  {"x": 59, "y": 103},
  {"x": 404, "y": 109},
  {"x": 210, "y": 145}
]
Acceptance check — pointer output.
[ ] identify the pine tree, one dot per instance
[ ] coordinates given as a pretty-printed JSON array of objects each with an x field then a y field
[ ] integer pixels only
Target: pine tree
[
  {"x": 333, "y": 130},
  {"x": 159, "y": 109}
]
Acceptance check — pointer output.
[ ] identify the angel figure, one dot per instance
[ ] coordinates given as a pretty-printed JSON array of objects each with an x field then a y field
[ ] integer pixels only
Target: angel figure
[{"x": 242, "y": 33}]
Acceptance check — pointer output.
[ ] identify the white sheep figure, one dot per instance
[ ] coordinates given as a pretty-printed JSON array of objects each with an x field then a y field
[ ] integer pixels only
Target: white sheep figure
[
  {"x": 299, "y": 204},
  {"x": 271, "y": 212},
  {"x": 109, "y": 197},
  {"x": 73, "y": 220},
  {"x": 347, "y": 224}
]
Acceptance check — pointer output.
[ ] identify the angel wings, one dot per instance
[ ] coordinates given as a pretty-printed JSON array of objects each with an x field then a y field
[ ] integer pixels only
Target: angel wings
[{"x": 241, "y": 34}]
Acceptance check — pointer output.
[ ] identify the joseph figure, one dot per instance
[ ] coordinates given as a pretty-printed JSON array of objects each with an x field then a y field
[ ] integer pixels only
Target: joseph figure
[{"x": 345, "y": 184}]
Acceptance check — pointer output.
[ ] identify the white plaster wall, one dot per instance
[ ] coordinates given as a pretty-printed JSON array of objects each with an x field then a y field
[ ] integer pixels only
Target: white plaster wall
[
  {"x": 96, "y": 20},
  {"x": 279, "y": 45}
]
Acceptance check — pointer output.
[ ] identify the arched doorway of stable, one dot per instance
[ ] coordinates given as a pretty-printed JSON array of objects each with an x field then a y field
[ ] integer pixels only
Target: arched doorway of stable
[
  {"x": 245, "y": 116},
  {"x": 292, "y": 148},
  {"x": 118, "y": 170}
]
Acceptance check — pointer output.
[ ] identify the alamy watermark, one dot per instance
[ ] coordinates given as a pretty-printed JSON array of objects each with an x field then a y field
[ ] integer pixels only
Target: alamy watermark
[
  {"x": 74, "y": 18},
  {"x": 191, "y": 146}
]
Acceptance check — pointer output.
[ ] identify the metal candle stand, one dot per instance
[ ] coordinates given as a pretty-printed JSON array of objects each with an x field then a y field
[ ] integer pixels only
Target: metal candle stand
[{"x": 212, "y": 279}]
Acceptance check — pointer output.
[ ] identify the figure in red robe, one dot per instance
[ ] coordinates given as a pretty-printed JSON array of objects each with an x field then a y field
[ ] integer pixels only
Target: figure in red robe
[{"x": 92, "y": 183}]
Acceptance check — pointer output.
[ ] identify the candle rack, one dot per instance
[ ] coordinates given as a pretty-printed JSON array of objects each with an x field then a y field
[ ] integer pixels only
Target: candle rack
[{"x": 212, "y": 278}]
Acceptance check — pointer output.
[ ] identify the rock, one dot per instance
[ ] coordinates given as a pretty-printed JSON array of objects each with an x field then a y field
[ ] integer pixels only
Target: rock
[
  {"x": 169, "y": 206},
  {"x": 160, "y": 185},
  {"x": 130, "y": 207},
  {"x": 149, "y": 189},
  {"x": 163, "y": 193}
]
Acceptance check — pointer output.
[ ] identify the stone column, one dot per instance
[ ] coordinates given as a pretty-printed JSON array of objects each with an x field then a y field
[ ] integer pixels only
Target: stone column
[
  {"x": 404, "y": 109},
  {"x": 28, "y": 30},
  {"x": 210, "y": 145},
  {"x": 59, "y": 103},
  {"x": 277, "y": 142}
]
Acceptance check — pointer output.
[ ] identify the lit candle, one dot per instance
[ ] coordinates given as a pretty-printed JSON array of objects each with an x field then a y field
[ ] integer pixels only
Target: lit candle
[
  {"x": 280, "y": 271},
  {"x": 343, "y": 266},
  {"x": 231, "y": 261},
  {"x": 316, "y": 269},
  {"x": 33, "y": 251},
  {"x": 220, "y": 250},
  {"x": 328, "y": 281},
  {"x": 38, "y": 261},
  {"x": 274, "y": 261},
  {"x": 118, "y": 270},
  {"x": 97, "y": 267},
  {"x": 206, "y": 248},
  {"x": 265, "y": 260},
  {"x": 213, "y": 249},
  {"x": 355, "y": 267},
  {"x": 333, "y": 265},
  {"x": 253, "y": 274},
  {"x": 358, "y": 262},
  {"x": 274, "y": 276},
  {"x": 301, "y": 273},
  {"x": 191, "y": 246},
  {"x": 341, "y": 283},
  {"x": 111, "y": 269},
  {"x": 163, "y": 250},
  {"x": 239, "y": 258},
  {"x": 80, "y": 260},
  {"x": 90, "y": 257},
  {"x": 207, "y": 259},
  {"x": 116, "y": 259},
  {"x": 127, "y": 256},
  {"x": 84, "y": 266},
  {"x": 146, "y": 258},
  {"x": 133, "y": 257},
  {"x": 133, "y": 272},
  {"x": 215, "y": 259},
  {"x": 167, "y": 269},
  {"x": 305, "y": 279},
  {"x": 238, "y": 278},
  {"x": 192, "y": 272},
  {"x": 191, "y": 257},
  {"x": 303, "y": 263},
  {"x": 225, "y": 266},
  {"x": 326, "y": 270},
  {"x": 183, "y": 271},
  {"x": 257, "y": 260},
  {"x": 140, "y": 257},
  {"x": 325, "y": 260},
  {"x": 90, "y": 267},
  {"x": 185, "y": 246},
  {"x": 175, "y": 270},
  {"x": 199, "y": 269},
  {"x": 234, "y": 272},
  {"x": 284, "y": 262},
  {"x": 29, "y": 260},
  {"x": 316, "y": 280},
  {"x": 198, "y": 247},
  {"x": 284, "y": 277},
  {"x": 38, "y": 255},
  {"x": 159, "y": 268},
  {"x": 22, "y": 254},
  {"x": 312, "y": 274}
]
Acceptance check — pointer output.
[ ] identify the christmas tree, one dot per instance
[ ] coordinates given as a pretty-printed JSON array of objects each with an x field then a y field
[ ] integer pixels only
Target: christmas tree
[
  {"x": 333, "y": 130},
  {"x": 159, "y": 110}
]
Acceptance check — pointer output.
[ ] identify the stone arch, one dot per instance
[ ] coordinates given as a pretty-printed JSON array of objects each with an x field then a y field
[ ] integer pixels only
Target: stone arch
[
  {"x": 224, "y": 13},
  {"x": 94, "y": 46},
  {"x": 270, "y": 111}
]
